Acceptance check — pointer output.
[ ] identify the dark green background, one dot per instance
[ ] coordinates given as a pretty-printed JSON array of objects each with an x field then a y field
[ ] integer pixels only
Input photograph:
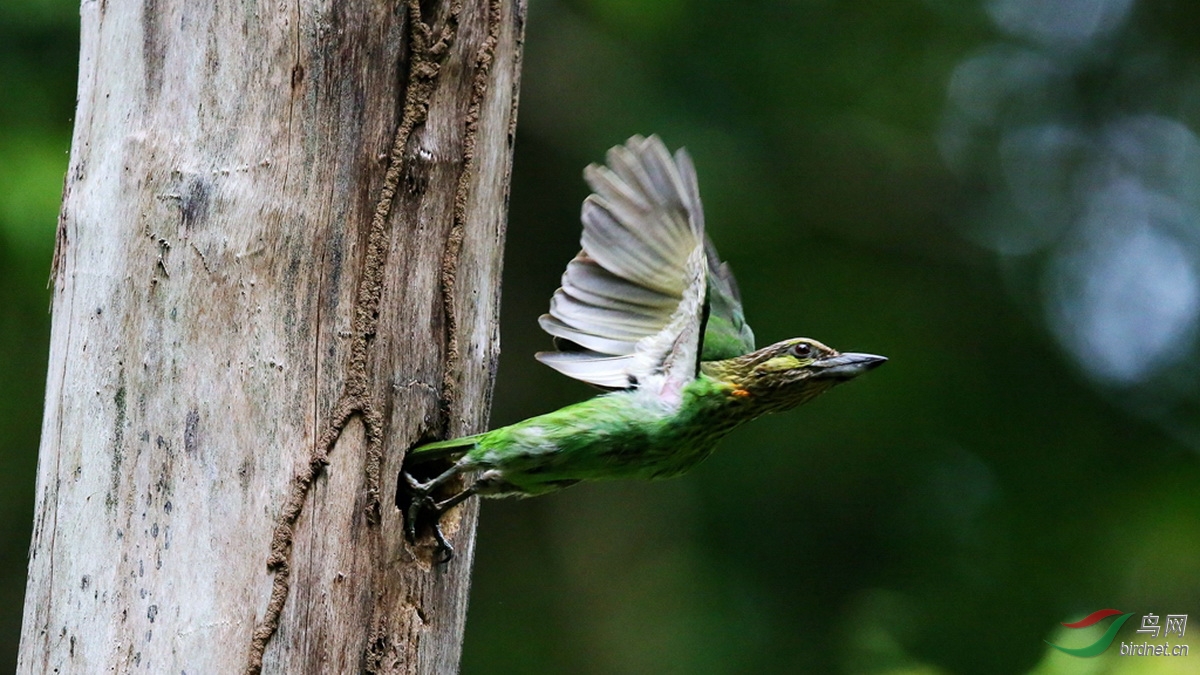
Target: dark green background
[{"x": 940, "y": 516}]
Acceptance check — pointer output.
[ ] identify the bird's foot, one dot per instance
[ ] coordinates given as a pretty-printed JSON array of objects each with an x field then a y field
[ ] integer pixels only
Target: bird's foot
[
  {"x": 422, "y": 501},
  {"x": 423, "y": 505},
  {"x": 445, "y": 552},
  {"x": 417, "y": 486}
]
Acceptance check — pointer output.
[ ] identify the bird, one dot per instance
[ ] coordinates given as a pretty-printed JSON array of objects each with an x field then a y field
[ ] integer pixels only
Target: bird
[{"x": 648, "y": 312}]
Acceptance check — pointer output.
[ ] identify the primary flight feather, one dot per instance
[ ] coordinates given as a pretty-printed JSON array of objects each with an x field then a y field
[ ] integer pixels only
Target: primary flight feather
[{"x": 648, "y": 310}]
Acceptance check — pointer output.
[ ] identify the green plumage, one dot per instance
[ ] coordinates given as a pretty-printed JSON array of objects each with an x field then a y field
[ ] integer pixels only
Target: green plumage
[
  {"x": 646, "y": 309},
  {"x": 611, "y": 436}
]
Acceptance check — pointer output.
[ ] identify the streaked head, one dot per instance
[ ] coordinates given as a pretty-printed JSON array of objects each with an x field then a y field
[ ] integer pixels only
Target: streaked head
[{"x": 789, "y": 373}]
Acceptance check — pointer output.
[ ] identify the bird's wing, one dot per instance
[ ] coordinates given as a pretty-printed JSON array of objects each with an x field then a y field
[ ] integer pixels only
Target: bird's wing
[
  {"x": 631, "y": 305},
  {"x": 726, "y": 334}
]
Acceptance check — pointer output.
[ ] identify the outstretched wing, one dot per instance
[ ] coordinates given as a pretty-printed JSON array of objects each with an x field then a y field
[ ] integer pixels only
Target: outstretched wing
[{"x": 632, "y": 303}]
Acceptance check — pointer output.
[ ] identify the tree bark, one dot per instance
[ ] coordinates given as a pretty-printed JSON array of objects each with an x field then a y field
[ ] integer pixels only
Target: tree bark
[{"x": 278, "y": 267}]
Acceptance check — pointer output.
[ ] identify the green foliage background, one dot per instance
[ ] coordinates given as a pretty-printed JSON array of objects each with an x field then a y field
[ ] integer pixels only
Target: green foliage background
[{"x": 940, "y": 516}]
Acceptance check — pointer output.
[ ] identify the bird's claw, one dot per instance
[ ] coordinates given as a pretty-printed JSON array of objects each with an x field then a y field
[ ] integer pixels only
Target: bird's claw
[
  {"x": 445, "y": 552},
  {"x": 423, "y": 502},
  {"x": 416, "y": 485}
]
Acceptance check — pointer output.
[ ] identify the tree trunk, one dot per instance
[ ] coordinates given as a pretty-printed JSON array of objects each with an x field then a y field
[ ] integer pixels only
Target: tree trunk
[{"x": 278, "y": 267}]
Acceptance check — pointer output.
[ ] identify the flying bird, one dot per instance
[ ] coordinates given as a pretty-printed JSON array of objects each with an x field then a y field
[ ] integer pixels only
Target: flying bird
[{"x": 648, "y": 311}]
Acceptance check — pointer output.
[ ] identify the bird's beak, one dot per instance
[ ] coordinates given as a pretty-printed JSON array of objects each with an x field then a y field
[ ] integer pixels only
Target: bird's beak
[{"x": 846, "y": 366}]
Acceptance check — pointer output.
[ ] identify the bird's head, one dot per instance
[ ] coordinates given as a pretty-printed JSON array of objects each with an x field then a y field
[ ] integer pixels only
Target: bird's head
[{"x": 788, "y": 373}]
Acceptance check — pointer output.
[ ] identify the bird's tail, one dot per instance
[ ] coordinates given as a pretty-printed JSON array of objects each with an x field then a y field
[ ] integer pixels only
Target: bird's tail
[{"x": 451, "y": 449}]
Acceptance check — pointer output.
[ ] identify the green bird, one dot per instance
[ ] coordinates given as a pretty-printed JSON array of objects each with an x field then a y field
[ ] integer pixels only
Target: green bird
[{"x": 646, "y": 310}]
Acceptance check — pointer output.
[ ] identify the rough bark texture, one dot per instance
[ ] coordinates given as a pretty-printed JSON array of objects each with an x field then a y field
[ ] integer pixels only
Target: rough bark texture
[{"x": 277, "y": 267}]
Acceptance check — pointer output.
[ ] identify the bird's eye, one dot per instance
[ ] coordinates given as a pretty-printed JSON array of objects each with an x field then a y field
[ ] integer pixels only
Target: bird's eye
[{"x": 802, "y": 350}]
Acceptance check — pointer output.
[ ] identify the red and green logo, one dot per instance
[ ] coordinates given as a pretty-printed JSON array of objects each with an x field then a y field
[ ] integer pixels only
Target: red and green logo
[{"x": 1097, "y": 647}]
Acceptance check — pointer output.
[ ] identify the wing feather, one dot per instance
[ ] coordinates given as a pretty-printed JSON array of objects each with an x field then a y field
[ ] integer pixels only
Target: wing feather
[
  {"x": 633, "y": 300},
  {"x": 727, "y": 334},
  {"x": 611, "y": 372}
]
